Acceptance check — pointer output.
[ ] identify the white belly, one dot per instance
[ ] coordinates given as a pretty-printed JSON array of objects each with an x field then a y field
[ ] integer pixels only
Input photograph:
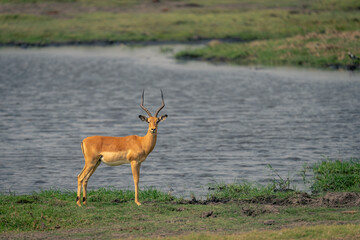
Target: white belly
[{"x": 114, "y": 158}]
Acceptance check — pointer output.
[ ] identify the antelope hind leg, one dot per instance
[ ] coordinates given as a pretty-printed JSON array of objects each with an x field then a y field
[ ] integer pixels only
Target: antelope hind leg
[{"x": 85, "y": 181}]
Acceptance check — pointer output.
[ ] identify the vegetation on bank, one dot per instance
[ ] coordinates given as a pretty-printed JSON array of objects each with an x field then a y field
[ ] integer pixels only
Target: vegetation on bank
[
  {"x": 326, "y": 176},
  {"x": 249, "y": 208},
  {"x": 302, "y": 33},
  {"x": 310, "y": 50},
  {"x": 336, "y": 175}
]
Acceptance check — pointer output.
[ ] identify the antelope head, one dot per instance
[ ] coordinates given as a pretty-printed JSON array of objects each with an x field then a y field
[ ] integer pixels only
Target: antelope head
[{"x": 152, "y": 121}]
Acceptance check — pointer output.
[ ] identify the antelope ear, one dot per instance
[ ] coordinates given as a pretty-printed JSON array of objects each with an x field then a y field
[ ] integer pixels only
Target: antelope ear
[
  {"x": 143, "y": 118},
  {"x": 162, "y": 118}
]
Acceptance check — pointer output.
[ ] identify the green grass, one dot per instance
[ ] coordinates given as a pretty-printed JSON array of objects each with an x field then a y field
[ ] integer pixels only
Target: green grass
[
  {"x": 310, "y": 50},
  {"x": 50, "y": 209},
  {"x": 337, "y": 175},
  {"x": 247, "y": 21},
  {"x": 245, "y": 191}
]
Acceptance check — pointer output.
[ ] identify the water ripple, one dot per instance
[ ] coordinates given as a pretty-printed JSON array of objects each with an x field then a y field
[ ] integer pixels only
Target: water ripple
[{"x": 225, "y": 123}]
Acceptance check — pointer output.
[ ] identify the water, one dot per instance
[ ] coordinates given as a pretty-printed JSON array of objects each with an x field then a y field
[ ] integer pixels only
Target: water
[{"x": 225, "y": 123}]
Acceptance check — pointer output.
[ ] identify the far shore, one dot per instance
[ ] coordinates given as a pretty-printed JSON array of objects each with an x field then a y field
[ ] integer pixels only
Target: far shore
[
  {"x": 319, "y": 35},
  {"x": 181, "y": 56}
]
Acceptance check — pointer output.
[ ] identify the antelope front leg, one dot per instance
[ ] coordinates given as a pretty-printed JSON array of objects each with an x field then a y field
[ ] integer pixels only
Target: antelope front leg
[{"x": 135, "y": 168}]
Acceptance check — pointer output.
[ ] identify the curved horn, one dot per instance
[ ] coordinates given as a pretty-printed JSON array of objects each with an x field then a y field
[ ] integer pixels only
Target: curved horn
[
  {"x": 142, "y": 105},
  {"x": 162, "y": 106}
]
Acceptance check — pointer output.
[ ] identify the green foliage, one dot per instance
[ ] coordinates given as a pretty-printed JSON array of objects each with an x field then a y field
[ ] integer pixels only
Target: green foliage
[
  {"x": 329, "y": 176},
  {"x": 337, "y": 175}
]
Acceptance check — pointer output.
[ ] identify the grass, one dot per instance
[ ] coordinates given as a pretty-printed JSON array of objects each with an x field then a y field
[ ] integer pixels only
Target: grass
[
  {"x": 170, "y": 26},
  {"x": 52, "y": 209},
  {"x": 55, "y": 212},
  {"x": 348, "y": 231},
  {"x": 329, "y": 175},
  {"x": 245, "y": 191},
  {"x": 311, "y": 50},
  {"x": 337, "y": 175}
]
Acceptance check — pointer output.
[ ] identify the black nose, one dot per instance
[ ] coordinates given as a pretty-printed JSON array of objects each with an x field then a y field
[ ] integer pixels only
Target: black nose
[{"x": 153, "y": 129}]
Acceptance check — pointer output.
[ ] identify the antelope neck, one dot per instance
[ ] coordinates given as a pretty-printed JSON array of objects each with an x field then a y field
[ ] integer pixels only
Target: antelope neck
[{"x": 150, "y": 141}]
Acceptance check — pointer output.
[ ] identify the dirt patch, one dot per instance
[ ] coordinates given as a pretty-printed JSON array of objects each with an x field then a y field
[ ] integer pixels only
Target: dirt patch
[
  {"x": 334, "y": 199},
  {"x": 208, "y": 214},
  {"x": 297, "y": 199}
]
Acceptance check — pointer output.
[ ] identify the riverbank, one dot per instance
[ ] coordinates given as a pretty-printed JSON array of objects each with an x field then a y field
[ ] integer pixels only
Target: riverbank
[
  {"x": 295, "y": 33},
  {"x": 112, "y": 214},
  {"x": 234, "y": 210}
]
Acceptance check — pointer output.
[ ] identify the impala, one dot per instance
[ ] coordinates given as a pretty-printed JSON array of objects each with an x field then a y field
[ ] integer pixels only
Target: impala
[{"x": 116, "y": 151}]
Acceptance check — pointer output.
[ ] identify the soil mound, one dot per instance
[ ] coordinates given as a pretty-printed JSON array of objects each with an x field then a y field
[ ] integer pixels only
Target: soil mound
[
  {"x": 338, "y": 199},
  {"x": 301, "y": 198},
  {"x": 331, "y": 199}
]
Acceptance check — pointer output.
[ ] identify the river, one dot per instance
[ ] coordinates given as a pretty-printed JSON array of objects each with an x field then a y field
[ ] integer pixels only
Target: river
[{"x": 225, "y": 124}]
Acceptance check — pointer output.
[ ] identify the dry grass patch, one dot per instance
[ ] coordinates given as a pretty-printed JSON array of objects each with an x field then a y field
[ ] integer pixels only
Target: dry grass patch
[{"x": 305, "y": 232}]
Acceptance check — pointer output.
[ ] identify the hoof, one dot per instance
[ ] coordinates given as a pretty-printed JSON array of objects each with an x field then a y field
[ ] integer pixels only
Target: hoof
[
  {"x": 138, "y": 203},
  {"x": 78, "y": 201}
]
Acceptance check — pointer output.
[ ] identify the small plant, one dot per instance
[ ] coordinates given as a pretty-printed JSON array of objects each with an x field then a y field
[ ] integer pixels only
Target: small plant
[
  {"x": 237, "y": 191},
  {"x": 280, "y": 184},
  {"x": 307, "y": 175}
]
